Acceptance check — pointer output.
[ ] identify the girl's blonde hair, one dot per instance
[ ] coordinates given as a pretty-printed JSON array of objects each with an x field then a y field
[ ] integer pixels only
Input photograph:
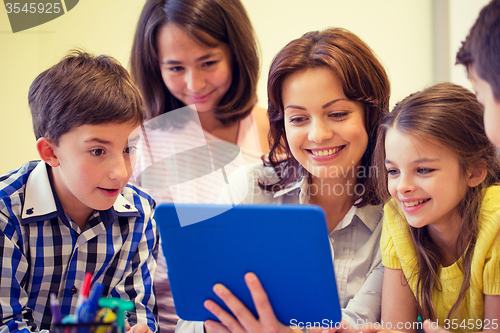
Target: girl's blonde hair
[{"x": 448, "y": 115}]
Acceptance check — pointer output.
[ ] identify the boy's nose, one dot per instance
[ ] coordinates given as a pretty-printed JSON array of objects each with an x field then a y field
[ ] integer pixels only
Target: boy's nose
[{"x": 120, "y": 170}]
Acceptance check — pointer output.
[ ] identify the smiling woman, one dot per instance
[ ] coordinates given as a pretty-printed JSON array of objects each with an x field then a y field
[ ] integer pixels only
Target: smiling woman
[
  {"x": 327, "y": 91},
  {"x": 325, "y": 133}
]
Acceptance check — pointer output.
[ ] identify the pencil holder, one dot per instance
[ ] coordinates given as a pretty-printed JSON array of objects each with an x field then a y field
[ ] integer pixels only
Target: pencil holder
[{"x": 85, "y": 328}]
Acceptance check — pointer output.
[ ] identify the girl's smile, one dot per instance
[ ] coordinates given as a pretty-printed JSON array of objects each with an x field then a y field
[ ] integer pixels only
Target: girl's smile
[
  {"x": 425, "y": 180},
  {"x": 201, "y": 98},
  {"x": 412, "y": 204}
]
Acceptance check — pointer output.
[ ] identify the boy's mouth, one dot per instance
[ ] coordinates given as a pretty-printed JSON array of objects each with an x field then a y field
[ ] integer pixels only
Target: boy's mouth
[{"x": 109, "y": 192}]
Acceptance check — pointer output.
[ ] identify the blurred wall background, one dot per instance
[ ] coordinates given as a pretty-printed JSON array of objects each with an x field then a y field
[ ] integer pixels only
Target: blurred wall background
[{"x": 415, "y": 39}]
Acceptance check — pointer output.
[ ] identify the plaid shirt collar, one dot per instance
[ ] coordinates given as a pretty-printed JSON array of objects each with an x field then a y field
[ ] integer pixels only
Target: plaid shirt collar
[{"x": 38, "y": 207}]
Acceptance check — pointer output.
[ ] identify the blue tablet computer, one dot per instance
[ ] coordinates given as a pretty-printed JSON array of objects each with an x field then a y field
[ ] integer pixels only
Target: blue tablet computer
[{"x": 286, "y": 246}]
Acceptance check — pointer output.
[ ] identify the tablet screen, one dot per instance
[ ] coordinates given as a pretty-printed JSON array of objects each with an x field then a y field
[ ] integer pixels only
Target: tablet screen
[{"x": 286, "y": 246}]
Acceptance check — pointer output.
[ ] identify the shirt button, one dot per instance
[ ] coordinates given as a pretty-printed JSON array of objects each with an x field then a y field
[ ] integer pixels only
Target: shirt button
[
  {"x": 74, "y": 290},
  {"x": 127, "y": 206}
]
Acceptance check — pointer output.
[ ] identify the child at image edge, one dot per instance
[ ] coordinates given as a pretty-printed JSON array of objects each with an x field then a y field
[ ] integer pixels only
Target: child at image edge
[
  {"x": 73, "y": 212},
  {"x": 479, "y": 54},
  {"x": 440, "y": 239}
]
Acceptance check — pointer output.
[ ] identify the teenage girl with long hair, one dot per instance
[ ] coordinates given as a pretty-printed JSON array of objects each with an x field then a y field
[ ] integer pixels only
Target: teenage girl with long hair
[{"x": 203, "y": 55}]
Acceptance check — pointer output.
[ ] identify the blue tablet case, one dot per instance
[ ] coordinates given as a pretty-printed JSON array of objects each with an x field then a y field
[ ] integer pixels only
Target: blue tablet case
[{"x": 286, "y": 246}]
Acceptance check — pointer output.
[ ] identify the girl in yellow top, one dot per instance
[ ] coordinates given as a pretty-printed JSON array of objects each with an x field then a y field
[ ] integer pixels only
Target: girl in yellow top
[{"x": 440, "y": 240}]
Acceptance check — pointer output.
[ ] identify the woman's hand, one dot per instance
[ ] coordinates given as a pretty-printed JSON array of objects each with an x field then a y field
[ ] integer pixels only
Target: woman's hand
[{"x": 243, "y": 320}]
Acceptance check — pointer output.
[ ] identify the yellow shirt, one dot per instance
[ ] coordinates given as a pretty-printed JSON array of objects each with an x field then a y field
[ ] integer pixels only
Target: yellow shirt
[{"x": 398, "y": 252}]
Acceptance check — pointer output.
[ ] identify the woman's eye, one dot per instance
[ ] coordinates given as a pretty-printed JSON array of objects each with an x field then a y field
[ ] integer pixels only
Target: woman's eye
[
  {"x": 296, "y": 120},
  {"x": 338, "y": 115},
  {"x": 97, "y": 152}
]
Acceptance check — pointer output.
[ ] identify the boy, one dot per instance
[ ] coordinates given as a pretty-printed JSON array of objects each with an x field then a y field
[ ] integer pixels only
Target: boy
[
  {"x": 480, "y": 54},
  {"x": 73, "y": 212}
]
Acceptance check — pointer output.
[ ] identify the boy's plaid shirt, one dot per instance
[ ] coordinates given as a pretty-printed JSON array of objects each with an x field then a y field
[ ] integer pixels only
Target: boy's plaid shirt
[{"x": 43, "y": 251}]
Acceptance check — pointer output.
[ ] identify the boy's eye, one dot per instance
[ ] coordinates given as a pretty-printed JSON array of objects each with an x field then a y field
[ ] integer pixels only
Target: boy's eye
[
  {"x": 130, "y": 150},
  {"x": 97, "y": 152}
]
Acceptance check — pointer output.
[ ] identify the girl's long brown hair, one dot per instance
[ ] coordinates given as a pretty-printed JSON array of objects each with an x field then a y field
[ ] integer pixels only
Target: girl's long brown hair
[{"x": 450, "y": 116}]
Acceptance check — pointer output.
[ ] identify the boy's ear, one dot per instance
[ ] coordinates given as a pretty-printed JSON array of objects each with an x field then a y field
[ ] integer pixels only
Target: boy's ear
[
  {"x": 46, "y": 150},
  {"x": 477, "y": 173}
]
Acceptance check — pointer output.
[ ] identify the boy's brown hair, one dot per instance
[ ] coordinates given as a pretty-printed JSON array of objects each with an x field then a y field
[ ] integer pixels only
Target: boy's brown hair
[
  {"x": 82, "y": 89},
  {"x": 481, "y": 48}
]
